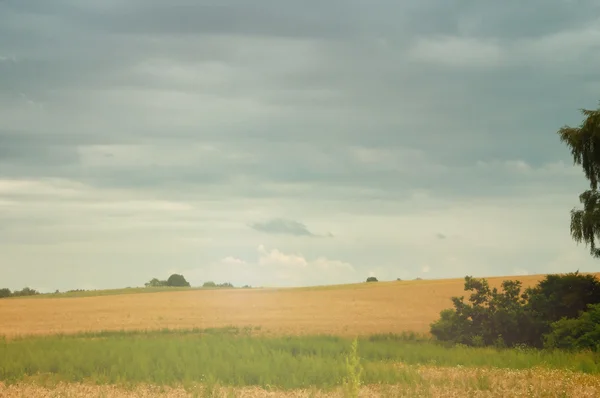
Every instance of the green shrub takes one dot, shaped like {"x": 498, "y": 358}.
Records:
{"x": 582, "y": 333}
{"x": 509, "y": 317}
{"x": 177, "y": 280}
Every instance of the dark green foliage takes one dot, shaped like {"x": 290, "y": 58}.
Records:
{"x": 580, "y": 333}
{"x": 491, "y": 317}
{"x": 177, "y": 280}
{"x": 156, "y": 283}
{"x": 557, "y": 297}
{"x": 508, "y": 317}
{"x": 174, "y": 280}
{"x": 211, "y": 284}
{"x": 372, "y": 279}
{"x": 584, "y": 143}
{"x": 26, "y": 291}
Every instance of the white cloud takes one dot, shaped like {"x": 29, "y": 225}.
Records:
{"x": 273, "y": 267}
{"x": 232, "y": 261}
{"x": 457, "y": 51}
{"x": 425, "y": 269}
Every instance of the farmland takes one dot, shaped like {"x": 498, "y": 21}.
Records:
{"x": 345, "y": 310}
{"x": 268, "y": 342}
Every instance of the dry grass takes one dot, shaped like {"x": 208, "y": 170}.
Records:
{"x": 342, "y": 310}
{"x": 429, "y": 382}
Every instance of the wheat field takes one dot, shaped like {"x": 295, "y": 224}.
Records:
{"x": 344, "y": 310}
{"x": 174, "y": 363}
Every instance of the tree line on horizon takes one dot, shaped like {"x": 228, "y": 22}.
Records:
{"x": 26, "y": 291}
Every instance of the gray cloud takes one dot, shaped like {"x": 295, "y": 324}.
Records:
{"x": 282, "y": 226}
{"x": 440, "y": 235}
{"x": 355, "y": 116}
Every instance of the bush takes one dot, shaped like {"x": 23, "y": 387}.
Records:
{"x": 177, "y": 280}
{"x": 491, "y": 317}
{"x": 541, "y": 316}
{"x": 154, "y": 282}
{"x": 372, "y": 279}
{"x": 225, "y": 285}
{"x": 581, "y": 333}
{"x": 560, "y": 296}
{"x": 26, "y": 291}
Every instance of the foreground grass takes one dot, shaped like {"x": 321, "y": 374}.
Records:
{"x": 232, "y": 358}
{"x": 433, "y": 382}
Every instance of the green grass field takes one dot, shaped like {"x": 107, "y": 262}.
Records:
{"x": 232, "y": 357}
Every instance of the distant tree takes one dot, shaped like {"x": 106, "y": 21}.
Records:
{"x": 372, "y": 279}
{"x": 5, "y": 293}
{"x": 154, "y": 282}
{"x": 177, "y": 280}
{"x": 226, "y": 285}
{"x": 584, "y": 143}
{"x": 26, "y": 291}
{"x": 209, "y": 284}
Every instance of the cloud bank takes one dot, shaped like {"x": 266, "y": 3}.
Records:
{"x": 150, "y": 135}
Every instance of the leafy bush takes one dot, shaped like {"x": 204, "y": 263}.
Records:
{"x": 26, "y": 291}
{"x": 557, "y": 297}
{"x": 509, "y": 317}
{"x": 580, "y": 333}
{"x": 174, "y": 280}
{"x": 177, "y": 280}
{"x": 220, "y": 285}
{"x": 154, "y": 282}
{"x": 372, "y": 279}
{"x": 493, "y": 317}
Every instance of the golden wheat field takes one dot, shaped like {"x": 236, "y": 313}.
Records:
{"x": 344, "y": 310}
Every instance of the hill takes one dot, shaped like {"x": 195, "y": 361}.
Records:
{"x": 346, "y": 310}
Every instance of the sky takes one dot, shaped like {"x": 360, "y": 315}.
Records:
{"x": 276, "y": 143}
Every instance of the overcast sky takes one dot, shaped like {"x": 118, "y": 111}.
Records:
{"x": 279, "y": 143}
